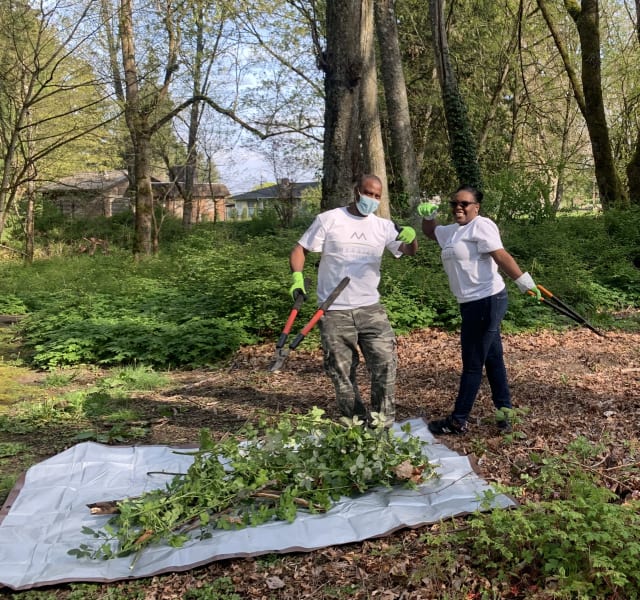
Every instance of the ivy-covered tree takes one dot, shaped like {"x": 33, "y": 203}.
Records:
{"x": 463, "y": 145}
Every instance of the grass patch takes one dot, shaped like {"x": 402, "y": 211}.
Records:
{"x": 137, "y": 378}
{"x": 100, "y": 411}
{"x": 15, "y": 386}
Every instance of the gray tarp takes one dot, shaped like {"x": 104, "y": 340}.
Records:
{"x": 44, "y": 515}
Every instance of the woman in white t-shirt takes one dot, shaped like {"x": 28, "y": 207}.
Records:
{"x": 472, "y": 252}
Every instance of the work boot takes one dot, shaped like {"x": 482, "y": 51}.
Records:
{"x": 448, "y": 425}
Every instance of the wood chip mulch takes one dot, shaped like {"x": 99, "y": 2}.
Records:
{"x": 570, "y": 383}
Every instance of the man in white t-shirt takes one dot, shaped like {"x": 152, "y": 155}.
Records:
{"x": 352, "y": 240}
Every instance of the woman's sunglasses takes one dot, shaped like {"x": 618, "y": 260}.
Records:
{"x": 463, "y": 203}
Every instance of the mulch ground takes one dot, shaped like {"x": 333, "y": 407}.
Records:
{"x": 568, "y": 384}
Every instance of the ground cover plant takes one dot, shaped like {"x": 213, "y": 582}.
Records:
{"x": 222, "y": 287}
{"x": 572, "y": 460}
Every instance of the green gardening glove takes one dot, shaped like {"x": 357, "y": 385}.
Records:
{"x": 427, "y": 210}
{"x": 526, "y": 285}
{"x": 535, "y": 292}
{"x": 407, "y": 234}
{"x": 297, "y": 286}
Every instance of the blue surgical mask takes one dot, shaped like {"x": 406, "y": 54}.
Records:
{"x": 367, "y": 205}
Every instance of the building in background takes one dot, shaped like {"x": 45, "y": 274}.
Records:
{"x": 86, "y": 195}
{"x": 89, "y": 194}
{"x": 285, "y": 197}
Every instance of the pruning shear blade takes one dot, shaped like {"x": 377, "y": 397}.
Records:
{"x": 282, "y": 352}
{"x": 562, "y": 308}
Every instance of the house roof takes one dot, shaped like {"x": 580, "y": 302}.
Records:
{"x": 280, "y": 190}
{"x": 100, "y": 182}
{"x": 200, "y": 190}
{"x": 90, "y": 182}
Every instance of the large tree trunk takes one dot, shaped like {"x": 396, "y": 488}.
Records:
{"x": 589, "y": 97}
{"x": 462, "y": 144}
{"x": 144, "y": 230}
{"x": 586, "y": 18}
{"x": 342, "y": 63}
{"x": 137, "y": 123}
{"x": 370, "y": 130}
{"x": 403, "y": 155}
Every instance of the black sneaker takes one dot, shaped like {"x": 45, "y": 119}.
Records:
{"x": 504, "y": 426}
{"x": 448, "y": 425}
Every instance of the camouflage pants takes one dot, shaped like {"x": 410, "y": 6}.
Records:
{"x": 343, "y": 332}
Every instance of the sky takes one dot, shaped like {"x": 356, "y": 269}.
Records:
{"x": 242, "y": 170}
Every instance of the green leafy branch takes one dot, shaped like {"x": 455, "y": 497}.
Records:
{"x": 269, "y": 472}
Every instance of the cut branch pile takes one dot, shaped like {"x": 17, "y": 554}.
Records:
{"x": 271, "y": 472}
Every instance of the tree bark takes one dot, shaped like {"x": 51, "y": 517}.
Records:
{"x": 587, "y": 20}
{"x": 462, "y": 144}
{"x": 189, "y": 215}
{"x": 633, "y": 166}
{"x": 585, "y": 14}
{"x": 342, "y": 64}
{"x": 370, "y": 129}
{"x": 137, "y": 118}
{"x": 403, "y": 155}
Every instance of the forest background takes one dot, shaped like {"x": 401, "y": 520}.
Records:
{"x": 534, "y": 102}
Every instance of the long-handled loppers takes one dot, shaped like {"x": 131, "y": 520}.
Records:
{"x": 559, "y": 306}
{"x": 281, "y": 351}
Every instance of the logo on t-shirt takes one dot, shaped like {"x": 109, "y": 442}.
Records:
{"x": 358, "y": 236}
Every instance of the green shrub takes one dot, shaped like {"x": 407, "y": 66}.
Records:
{"x": 514, "y": 194}
{"x": 224, "y": 285}
{"x": 577, "y": 538}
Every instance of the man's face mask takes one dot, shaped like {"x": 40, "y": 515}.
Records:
{"x": 367, "y": 205}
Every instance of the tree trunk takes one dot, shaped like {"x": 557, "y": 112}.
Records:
{"x": 29, "y": 219}
{"x": 190, "y": 210}
{"x": 189, "y": 215}
{"x": 29, "y": 225}
{"x": 559, "y": 187}
{"x": 403, "y": 154}
{"x": 137, "y": 123}
{"x": 342, "y": 64}
{"x": 144, "y": 230}
{"x": 462, "y": 144}
{"x": 589, "y": 98}
{"x": 586, "y": 19}
{"x": 370, "y": 130}
{"x": 633, "y": 166}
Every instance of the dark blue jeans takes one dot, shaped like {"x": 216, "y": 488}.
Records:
{"x": 482, "y": 347}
